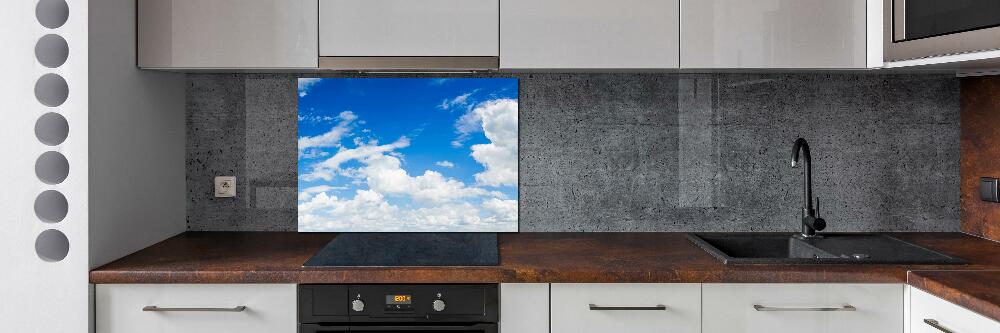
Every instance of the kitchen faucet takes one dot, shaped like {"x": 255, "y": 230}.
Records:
{"x": 810, "y": 221}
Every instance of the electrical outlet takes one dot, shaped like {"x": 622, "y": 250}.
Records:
{"x": 225, "y": 187}
{"x": 988, "y": 189}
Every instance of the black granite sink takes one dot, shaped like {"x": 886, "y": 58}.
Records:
{"x": 845, "y": 248}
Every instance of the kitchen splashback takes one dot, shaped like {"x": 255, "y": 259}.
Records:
{"x": 407, "y": 155}
{"x": 639, "y": 152}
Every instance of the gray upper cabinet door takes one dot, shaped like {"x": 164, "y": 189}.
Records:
{"x": 227, "y": 34}
{"x": 773, "y": 34}
{"x": 409, "y": 28}
{"x": 570, "y": 34}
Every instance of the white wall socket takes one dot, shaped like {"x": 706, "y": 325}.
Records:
{"x": 225, "y": 187}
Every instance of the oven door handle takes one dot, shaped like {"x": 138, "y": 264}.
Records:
{"x": 486, "y": 328}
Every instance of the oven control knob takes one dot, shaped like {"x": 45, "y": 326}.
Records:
{"x": 438, "y": 305}
{"x": 358, "y": 305}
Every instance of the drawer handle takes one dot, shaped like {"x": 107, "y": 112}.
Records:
{"x": 154, "y": 308}
{"x": 759, "y": 307}
{"x": 658, "y": 307}
{"x": 935, "y": 324}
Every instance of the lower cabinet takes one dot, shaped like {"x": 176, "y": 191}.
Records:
{"x": 569, "y": 308}
{"x": 625, "y": 307}
{"x": 524, "y": 307}
{"x": 930, "y": 314}
{"x": 195, "y": 308}
{"x": 816, "y": 308}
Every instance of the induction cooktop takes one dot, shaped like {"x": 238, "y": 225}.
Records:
{"x": 408, "y": 249}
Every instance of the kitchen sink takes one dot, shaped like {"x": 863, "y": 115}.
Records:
{"x": 837, "y": 248}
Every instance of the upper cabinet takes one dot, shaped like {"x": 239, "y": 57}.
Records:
{"x": 187, "y": 34}
{"x": 509, "y": 34}
{"x": 584, "y": 34}
{"x": 775, "y": 34}
{"x": 400, "y": 34}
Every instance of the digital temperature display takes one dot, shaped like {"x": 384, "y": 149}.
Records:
{"x": 398, "y": 299}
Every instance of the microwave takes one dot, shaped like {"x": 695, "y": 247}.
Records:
{"x": 915, "y": 29}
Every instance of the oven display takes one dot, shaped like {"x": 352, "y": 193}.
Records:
{"x": 396, "y": 303}
{"x": 398, "y": 299}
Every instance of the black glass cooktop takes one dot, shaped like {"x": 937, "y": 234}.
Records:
{"x": 408, "y": 249}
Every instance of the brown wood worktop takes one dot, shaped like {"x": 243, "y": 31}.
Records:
{"x": 978, "y": 291}
{"x": 277, "y": 257}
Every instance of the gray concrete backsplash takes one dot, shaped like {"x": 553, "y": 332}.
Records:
{"x": 638, "y": 152}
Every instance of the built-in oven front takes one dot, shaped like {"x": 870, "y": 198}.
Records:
{"x": 915, "y": 29}
{"x": 469, "y": 308}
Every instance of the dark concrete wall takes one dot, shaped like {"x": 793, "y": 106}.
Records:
{"x": 640, "y": 152}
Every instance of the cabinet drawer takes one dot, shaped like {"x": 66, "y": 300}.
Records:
{"x": 946, "y": 315}
{"x": 773, "y": 34}
{"x": 524, "y": 308}
{"x": 269, "y": 308}
{"x": 817, "y": 308}
{"x": 593, "y": 34}
{"x": 405, "y": 28}
{"x": 621, "y": 307}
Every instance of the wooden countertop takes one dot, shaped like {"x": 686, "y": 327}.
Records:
{"x": 978, "y": 291}
{"x": 277, "y": 257}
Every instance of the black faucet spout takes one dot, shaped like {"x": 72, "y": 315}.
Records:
{"x": 810, "y": 222}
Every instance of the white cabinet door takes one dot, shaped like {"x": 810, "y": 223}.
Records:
{"x": 227, "y": 33}
{"x": 269, "y": 308}
{"x": 589, "y": 34}
{"x": 409, "y": 28}
{"x": 625, "y": 307}
{"x": 773, "y": 34}
{"x": 524, "y": 308}
{"x": 927, "y": 310}
{"x": 777, "y": 308}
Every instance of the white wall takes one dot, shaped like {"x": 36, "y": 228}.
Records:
{"x": 137, "y": 187}
{"x": 126, "y": 128}
{"x": 38, "y": 295}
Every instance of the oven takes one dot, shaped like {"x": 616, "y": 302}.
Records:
{"x": 928, "y": 28}
{"x": 467, "y": 308}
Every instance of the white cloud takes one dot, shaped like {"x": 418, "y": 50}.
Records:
{"x": 505, "y": 211}
{"x": 330, "y": 167}
{"x": 385, "y": 175}
{"x": 499, "y": 157}
{"x": 445, "y": 164}
{"x": 307, "y": 193}
{"x": 460, "y": 100}
{"x": 309, "y": 154}
{"x": 439, "y": 81}
{"x": 369, "y": 211}
{"x": 305, "y": 84}
{"x": 383, "y": 172}
{"x": 329, "y": 139}
{"x": 315, "y": 119}
{"x": 456, "y": 101}
{"x": 468, "y": 123}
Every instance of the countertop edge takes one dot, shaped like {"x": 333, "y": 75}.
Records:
{"x": 929, "y": 281}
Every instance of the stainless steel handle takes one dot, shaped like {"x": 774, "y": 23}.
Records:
{"x": 848, "y": 307}
{"x": 658, "y": 307}
{"x": 154, "y": 308}
{"x": 935, "y": 324}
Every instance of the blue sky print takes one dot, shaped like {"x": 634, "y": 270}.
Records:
{"x": 407, "y": 155}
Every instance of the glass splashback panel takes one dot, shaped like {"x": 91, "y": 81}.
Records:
{"x": 408, "y": 155}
